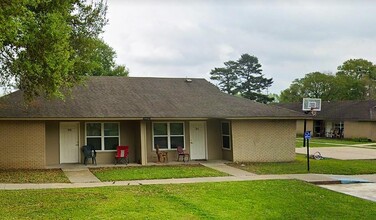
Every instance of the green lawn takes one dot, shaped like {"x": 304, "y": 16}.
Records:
{"x": 273, "y": 199}
{"x": 326, "y": 166}
{"x": 33, "y": 176}
{"x": 154, "y": 172}
{"x": 326, "y": 142}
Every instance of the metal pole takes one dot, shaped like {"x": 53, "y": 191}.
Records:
{"x": 304, "y": 131}
{"x": 308, "y": 155}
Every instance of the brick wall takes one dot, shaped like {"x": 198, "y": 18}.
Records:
{"x": 22, "y": 144}
{"x": 357, "y": 129}
{"x": 263, "y": 140}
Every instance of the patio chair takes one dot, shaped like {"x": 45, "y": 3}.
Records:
{"x": 122, "y": 154}
{"x": 336, "y": 133}
{"x": 89, "y": 152}
{"x": 182, "y": 153}
{"x": 161, "y": 155}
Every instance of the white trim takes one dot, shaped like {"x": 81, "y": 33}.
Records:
{"x": 102, "y": 137}
{"x": 168, "y": 134}
{"x": 227, "y": 135}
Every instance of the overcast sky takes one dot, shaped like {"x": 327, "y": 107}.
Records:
{"x": 165, "y": 38}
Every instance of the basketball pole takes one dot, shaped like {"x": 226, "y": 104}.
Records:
{"x": 315, "y": 105}
{"x": 308, "y": 155}
{"x": 306, "y": 141}
{"x": 304, "y": 131}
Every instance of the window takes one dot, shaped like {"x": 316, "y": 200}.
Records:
{"x": 102, "y": 136}
{"x": 226, "y": 135}
{"x": 168, "y": 135}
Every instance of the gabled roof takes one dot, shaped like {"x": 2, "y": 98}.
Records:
{"x": 139, "y": 97}
{"x": 341, "y": 110}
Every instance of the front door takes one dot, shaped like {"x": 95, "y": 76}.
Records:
{"x": 198, "y": 140}
{"x": 69, "y": 147}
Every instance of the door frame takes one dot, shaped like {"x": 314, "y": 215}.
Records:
{"x": 78, "y": 139}
{"x": 206, "y": 156}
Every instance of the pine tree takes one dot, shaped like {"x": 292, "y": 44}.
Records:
{"x": 252, "y": 81}
{"x": 243, "y": 77}
{"x": 228, "y": 80}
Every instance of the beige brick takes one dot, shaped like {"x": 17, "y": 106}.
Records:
{"x": 263, "y": 140}
{"x": 22, "y": 144}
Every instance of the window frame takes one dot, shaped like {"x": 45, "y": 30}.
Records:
{"x": 226, "y": 135}
{"x": 102, "y": 136}
{"x": 168, "y": 135}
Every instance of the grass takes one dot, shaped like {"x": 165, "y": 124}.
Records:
{"x": 273, "y": 199}
{"x": 33, "y": 176}
{"x": 326, "y": 142}
{"x": 154, "y": 172}
{"x": 325, "y": 166}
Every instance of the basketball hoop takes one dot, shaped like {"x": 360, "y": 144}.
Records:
{"x": 311, "y": 105}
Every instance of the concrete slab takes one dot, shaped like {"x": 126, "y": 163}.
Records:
{"x": 80, "y": 175}
{"x": 227, "y": 169}
{"x": 369, "y": 177}
{"x": 360, "y": 190}
{"x": 342, "y": 153}
{"x": 313, "y": 178}
{"x": 365, "y": 177}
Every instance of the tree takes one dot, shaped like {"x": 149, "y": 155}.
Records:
{"x": 357, "y": 68}
{"x": 103, "y": 61}
{"x": 227, "y": 77}
{"x": 243, "y": 77}
{"x": 275, "y": 97}
{"x": 49, "y": 46}
{"x": 252, "y": 81}
{"x": 328, "y": 87}
{"x": 348, "y": 88}
{"x": 313, "y": 85}
{"x": 292, "y": 94}
{"x": 363, "y": 70}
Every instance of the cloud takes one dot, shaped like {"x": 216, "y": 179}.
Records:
{"x": 290, "y": 38}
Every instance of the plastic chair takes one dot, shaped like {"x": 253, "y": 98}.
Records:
{"x": 181, "y": 153}
{"x": 89, "y": 152}
{"x": 122, "y": 154}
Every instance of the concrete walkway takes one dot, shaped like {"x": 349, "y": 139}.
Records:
{"x": 360, "y": 190}
{"x": 227, "y": 169}
{"x": 81, "y": 177}
{"x": 341, "y": 153}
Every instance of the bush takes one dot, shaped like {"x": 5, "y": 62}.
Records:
{"x": 361, "y": 139}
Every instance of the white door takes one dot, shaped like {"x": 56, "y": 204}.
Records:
{"x": 69, "y": 147}
{"x": 198, "y": 140}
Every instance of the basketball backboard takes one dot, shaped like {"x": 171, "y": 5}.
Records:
{"x": 311, "y": 104}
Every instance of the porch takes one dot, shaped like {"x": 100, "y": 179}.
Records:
{"x": 202, "y": 140}
{"x": 51, "y": 143}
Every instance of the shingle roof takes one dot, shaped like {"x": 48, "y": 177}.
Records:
{"x": 341, "y": 110}
{"x": 139, "y": 97}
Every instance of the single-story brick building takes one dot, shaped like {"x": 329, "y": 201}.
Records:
{"x": 340, "y": 119}
{"x": 141, "y": 113}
